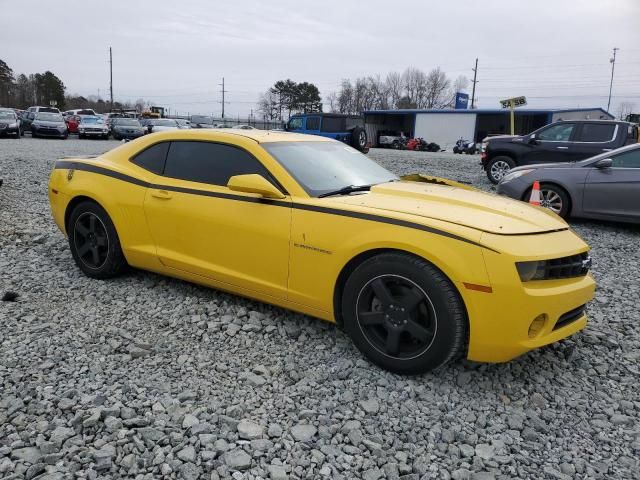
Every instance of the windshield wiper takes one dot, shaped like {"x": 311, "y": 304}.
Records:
{"x": 346, "y": 190}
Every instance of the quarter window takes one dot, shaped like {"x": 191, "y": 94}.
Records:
{"x": 597, "y": 132}
{"x": 212, "y": 163}
{"x": 313, "y": 123}
{"x": 627, "y": 160}
{"x": 557, "y": 133}
{"x": 334, "y": 124}
{"x": 152, "y": 158}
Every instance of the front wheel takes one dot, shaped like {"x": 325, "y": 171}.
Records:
{"x": 498, "y": 167}
{"x": 94, "y": 242}
{"x": 552, "y": 197}
{"x": 404, "y": 314}
{"x": 359, "y": 138}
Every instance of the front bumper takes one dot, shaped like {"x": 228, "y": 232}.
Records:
{"x": 93, "y": 133}
{"x": 9, "y": 131}
{"x": 500, "y": 321}
{"x": 125, "y": 134}
{"x": 49, "y": 132}
{"x": 515, "y": 188}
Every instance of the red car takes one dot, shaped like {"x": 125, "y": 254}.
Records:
{"x": 72, "y": 122}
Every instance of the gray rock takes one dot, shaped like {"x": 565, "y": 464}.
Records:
{"x": 275, "y": 430}
{"x": 277, "y": 472}
{"x": 187, "y": 454}
{"x": 190, "y": 421}
{"x": 237, "y": 459}
{"x": 370, "y": 406}
{"x": 249, "y": 430}
{"x": 303, "y": 432}
{"x": 189, "y": 471}
{"x": 27, "y": 454}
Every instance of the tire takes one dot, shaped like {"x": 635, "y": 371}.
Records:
{"x": 80, "y": 136}
{"x": 66, "y": 135}
{"x": 94, "y": 242}
{"x": 421, "y": 325}
{"x": 498, "y": 167}
{"x": 456, "y": 150}
{"x": 359, "y": 138}
{"x": 553, "y": 197}
{"x": 18, "y": 134}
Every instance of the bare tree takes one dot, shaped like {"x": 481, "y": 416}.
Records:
{"x": 394, "y": 88}
{"x": 415, "y": 86}
{"x": 268, "y": 105}
{"x": 438, "y": 92}
{"x": 625, "y": 108}
{"x": 461, "y": 84}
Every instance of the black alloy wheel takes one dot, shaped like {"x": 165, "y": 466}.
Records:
{"x": 403, "y": 313}
{"x": 91, "y": 240}
{"x": 396, "y": 316}
{"x": 94, "y": 242}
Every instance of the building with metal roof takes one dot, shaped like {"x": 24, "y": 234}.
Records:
{"x": 445, "y": 127}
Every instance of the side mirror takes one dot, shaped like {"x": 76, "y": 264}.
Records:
{"x": 532, "y": 138}
{"x": 286, "y": 127}
{"x": 604, "y": 163}
{"x": 254, "y": 183}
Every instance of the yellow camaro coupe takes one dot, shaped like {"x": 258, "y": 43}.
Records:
{"x": 417, "y": 273}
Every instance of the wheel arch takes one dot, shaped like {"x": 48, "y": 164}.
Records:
{"x": 73, "y": 203}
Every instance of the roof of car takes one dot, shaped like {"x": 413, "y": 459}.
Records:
{"x": 260, "y": 136}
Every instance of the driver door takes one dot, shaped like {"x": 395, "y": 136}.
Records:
{"x": 202, "y": 227}
{"x": 551, "y": 144}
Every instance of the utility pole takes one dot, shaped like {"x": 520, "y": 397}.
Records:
{"x": 223, "y": 92}
{"x": 111, "y": 76}
{"x": 613, "y": 66}
{"x": 473, "y": 92}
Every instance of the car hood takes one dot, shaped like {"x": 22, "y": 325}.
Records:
{"x": 471, "y": 208}
{"x": 48, "y": 124}
{"x": 503, "y": 138}
{"x": 545, "y": 165}
{"x": 159, "y": 128}
{"x": 127, "y": 127}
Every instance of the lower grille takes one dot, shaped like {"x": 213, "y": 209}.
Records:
{"x": 570, "y": 317}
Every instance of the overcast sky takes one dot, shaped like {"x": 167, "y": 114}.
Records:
{"x": 175, "y": 53}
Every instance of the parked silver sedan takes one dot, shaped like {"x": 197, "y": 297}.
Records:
{"x": 604, "y": 187}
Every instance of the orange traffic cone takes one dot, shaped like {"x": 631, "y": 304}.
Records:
{"x": 535, "y": 194}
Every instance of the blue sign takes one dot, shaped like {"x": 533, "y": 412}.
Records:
{"x": 462, "y": 101}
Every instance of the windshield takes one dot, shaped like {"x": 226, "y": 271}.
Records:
{"x": 49, "y": 117}
{"x": 127, "y": 122}
{"x": 322, "y": 167}
{"x": 7, "y": 115}
{"x": 91, "y": 120}
{"x": 164, "y": 123}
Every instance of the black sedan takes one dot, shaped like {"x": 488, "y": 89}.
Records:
{"x": 49, "y": 125}
{"x": 604, "y": 187}
{"x": 128, "y": 128}
{"x": 9, "y": 123}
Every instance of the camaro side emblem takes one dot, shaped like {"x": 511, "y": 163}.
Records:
{"x": 586, "y": 263}
{"x": 70, "y": 174}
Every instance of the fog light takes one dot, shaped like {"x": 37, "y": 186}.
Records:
{"x": 536, "y": 326}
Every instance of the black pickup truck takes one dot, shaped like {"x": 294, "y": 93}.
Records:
{"x": 565, "y": 141}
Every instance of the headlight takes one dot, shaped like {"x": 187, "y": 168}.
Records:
{"x": 531, "y": 270}
{"x": 513, "y": 175}
{"x": 13, "y": 125}
{"x": 62, "y": 127}
{"x": 81, "y": 130}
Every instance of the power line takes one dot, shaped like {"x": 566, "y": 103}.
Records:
{"x": 111, "y": 76}
{"x": 223, "y": 92}
{"x": 473, "y": 92}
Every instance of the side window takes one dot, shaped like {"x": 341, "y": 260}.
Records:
{"x": 295, "y": 123}
{"x": 627, "y": 160}
{"x": 632, "y": 134}
{"x": 597, "y": 132}
{"x": 313, "y": 123}
{"x": 153, "y": 158}
{"x": 211, "y": 163}
{"x": 334, "y": 124}
{"x": 557, "y": 133}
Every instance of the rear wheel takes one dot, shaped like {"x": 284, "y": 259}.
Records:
{"x": 94, "y": 242}
{"x": 403, "y": 314}
{"x": 498, "y": 167}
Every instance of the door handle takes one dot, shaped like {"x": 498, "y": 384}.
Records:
{"x": 562, "y": 148}
{"x": 606, "y": 149}
{"x": 161, "y": 194}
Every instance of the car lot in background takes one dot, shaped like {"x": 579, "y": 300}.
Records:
{"x": 80, "y": 111}
{"x": 201, "y": 121}
{"x": 564, "y": 141}
{"x": 159, "y": 124}
{"x": 129, "y": 128}
{"x": 182, "y": 123}
{"x": 604, "y": 187}
{"x": 46, "y": 124}
{"x": 9, "y": 123}
{"x": 92, "y": 127}
{"x": 38, "y": 109}
{"x": 72, "y": 122}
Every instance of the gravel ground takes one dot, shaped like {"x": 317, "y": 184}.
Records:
{"x": 147, "y": 377}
